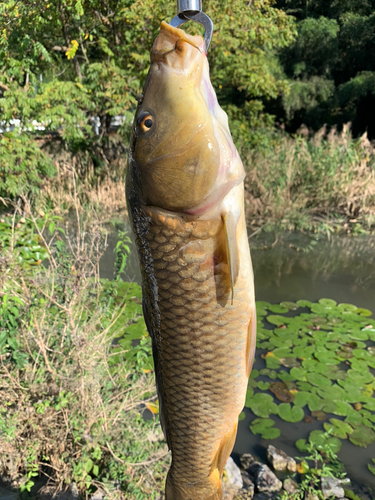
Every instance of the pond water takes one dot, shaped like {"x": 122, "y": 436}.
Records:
{"x": 290, "y": 269}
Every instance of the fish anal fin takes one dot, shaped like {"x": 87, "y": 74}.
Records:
{"x": 230, "y": 221}
{"x": 224, "y": 450}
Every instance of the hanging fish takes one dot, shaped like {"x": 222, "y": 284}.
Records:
{"x": 185, "y": 197}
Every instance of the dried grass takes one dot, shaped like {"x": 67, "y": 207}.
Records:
{"x": 323, "y": 175}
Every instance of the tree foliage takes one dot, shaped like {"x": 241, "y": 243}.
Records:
{"x": 331, "y": 65}
{"x": 64, "y": 62}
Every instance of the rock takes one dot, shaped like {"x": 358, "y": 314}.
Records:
{"x": 265, "y": 479}
{"x": 280, "y": 460}
{"x": 331, "y": 487}
{"x": 248, "y": 486}
{"x": 70, "y": 493}
{"x": 233, "y": 474}
{"x": 265, "y": 496}
{"x": 246, "y": 460}
{"x": 311, "y": 496}
{"x": 98, "y": 495}
{"x": 290, "y": 486}
{"x": 232, "y": 480}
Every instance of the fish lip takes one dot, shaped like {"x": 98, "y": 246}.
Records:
{"x": 173, "y": 41}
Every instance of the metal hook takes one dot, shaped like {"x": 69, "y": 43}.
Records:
{"x": 192, "y": 10}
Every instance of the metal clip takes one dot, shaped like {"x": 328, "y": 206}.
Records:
{"x": 191, "y": 10}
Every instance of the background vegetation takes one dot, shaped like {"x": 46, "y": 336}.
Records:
{"x": 75, "y": 359}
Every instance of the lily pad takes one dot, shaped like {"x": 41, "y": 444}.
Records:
{"x": 262, "y": 304}
{"x": 298, "y": 374}
{"x": 249, "y": 395}
{"x": 320, "y": 439}
{"x": 342, "y": 408}
{"x": 362, "y": 436}
{"x": 318, "y": 380}
{"x": 319, "y": 415}
{"x": 272, "y": 374}
{"x": 264, "y": 427}
{"x": 263, "y": 386}
{"x": 304, "y": 303}
{"x": 315, "y": 403}
{"x": 281, "y": 392}
{"x": 289, "y": 362}
{"x": 292, "y": 306}
{"x": 290, "y": 413}
{"x": 262, "y": 405}
{"x": 327, "y": 302}
{"x": 371, "y": 468}
{"x": 278, "y": 309}
{"x": 281, "y": 352}
{"x": 364, "y": 312}
{"x": 301, "y": 398}
{"x": 278, "y": 320}
{"x": 272, "y": 362}
{"x": 338, "y": 428}
{"x": 347, "y": 307}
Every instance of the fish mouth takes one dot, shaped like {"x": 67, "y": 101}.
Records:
{"x": 177, "y": 44}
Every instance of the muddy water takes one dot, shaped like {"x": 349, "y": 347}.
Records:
{"x": 293, "y": 268}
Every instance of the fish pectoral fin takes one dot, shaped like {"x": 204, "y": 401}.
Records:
{"x": 230, "y": 221}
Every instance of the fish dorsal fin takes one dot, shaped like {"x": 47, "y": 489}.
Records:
{"x": 230, "y": 220}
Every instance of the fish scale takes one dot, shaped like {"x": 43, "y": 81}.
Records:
{"x": 201, "y": 339}
{"x": 185, "y": 196}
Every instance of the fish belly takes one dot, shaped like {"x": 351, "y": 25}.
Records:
{"x": 203, "y": 343}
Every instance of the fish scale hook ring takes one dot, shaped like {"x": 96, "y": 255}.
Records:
{"x": 191, "y": 10}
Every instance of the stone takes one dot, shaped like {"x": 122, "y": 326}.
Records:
{"x": 265, "y": 479}
{"x": 331, "y": 487}
{"x": 246, "y": 460}
{"x": 311, "y": 496}
{"x": 280, "y": 460}
{"x": 98, "y": 495}
{"x": 248, "y": 486}
{"x": 265, "y": 496}
{"x": 232, "y": 480}
{"x": 70, "y": 493}
{"x": 290, "y": 486}
{"x": 233, "y": 474}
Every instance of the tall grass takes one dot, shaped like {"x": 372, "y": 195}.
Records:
{"x": 71, "y": 401}
{"x": 325, "y": 175}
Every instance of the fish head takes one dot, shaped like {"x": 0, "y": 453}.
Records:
{"x": 181, "y": 144}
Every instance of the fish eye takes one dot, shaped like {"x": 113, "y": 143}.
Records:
{"x": 145, "y": 122}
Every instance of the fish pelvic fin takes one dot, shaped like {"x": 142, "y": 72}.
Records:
{"x": 230, "y": 221}
{"x": 251, "y": 341}
{"x": 210, "y": 490}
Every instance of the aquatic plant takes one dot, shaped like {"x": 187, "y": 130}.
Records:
{"x": 318, "y": 361}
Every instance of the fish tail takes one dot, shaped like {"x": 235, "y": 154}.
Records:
{"x": 211, "y": 490}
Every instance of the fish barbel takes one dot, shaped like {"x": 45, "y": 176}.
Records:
{"x": 186, "y": 204}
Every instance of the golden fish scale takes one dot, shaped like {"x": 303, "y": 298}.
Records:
{"x": 202, "y": 340}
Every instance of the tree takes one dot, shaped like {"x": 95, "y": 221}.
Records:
{"x": 331, "y": 65}
{"x": 64, "y": 62}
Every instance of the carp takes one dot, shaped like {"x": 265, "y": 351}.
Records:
{"x": 185, "y": 197}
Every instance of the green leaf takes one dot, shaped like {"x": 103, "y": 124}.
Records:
{"x": 290, "y": 413}
{"x": 262, "y": 405}
{"x": 362, "y": 436}
{"x": 338, "y": 428}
